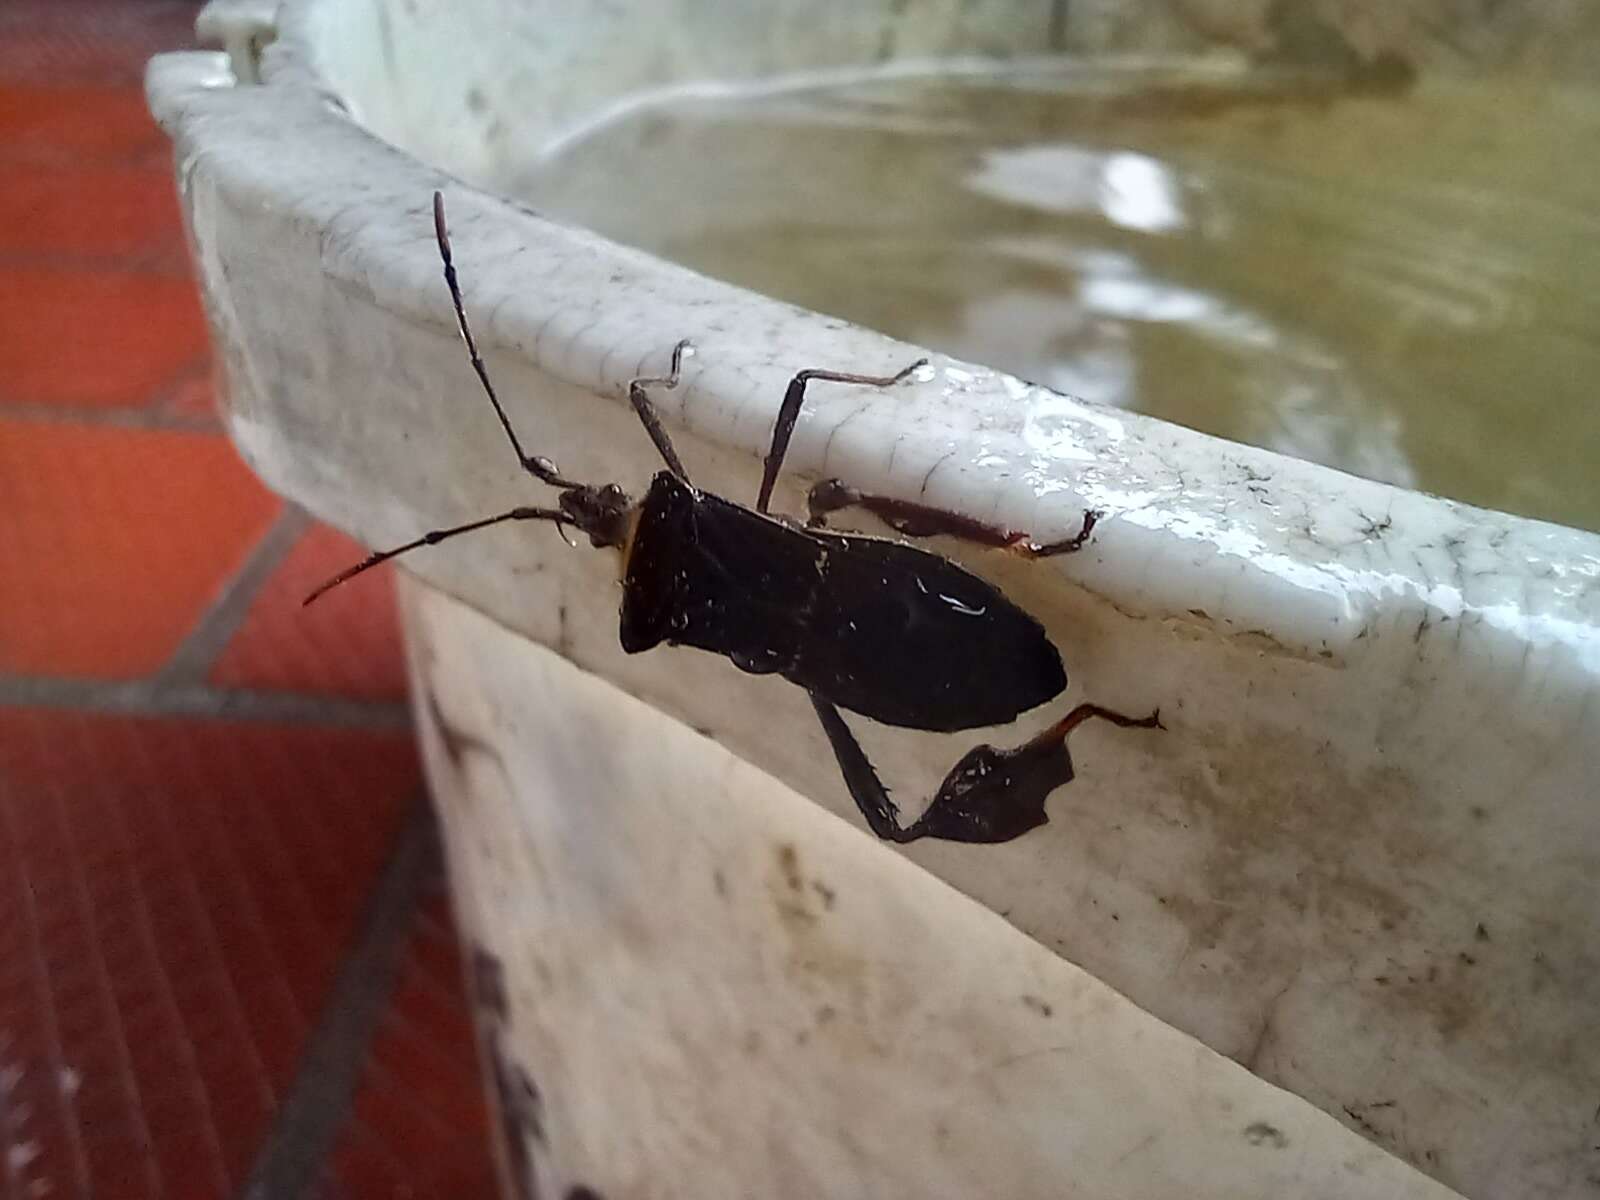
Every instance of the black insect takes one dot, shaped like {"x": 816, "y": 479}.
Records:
{"x": 868, "y": 624}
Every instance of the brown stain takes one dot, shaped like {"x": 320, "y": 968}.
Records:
{"x": 793, "y": 899}
{"x": 1327, "y": 854}
{"x": 1261, "y": 1133}
{"x": 1446, "y": 995}
{"x": 788, "y": 891}
{"x": 789, "y": 865}
{"x": 816, "y": 957}
{"x": 1286, "y": 880}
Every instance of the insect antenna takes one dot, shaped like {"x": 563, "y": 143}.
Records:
{"x": 535, "y": 464}
{"x": 433, "y": 537}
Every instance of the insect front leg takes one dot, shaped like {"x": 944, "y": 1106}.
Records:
{"x": 991, "y": 795}
{"x": 789, "y": 412}
{"x": 924, "y": 520}
{"x": 640, "y": 399}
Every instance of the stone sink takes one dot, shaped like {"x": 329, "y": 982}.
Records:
{"x": 1332, "y": 933}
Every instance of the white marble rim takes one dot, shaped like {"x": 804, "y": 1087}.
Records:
{"x": 1298, "y": 559}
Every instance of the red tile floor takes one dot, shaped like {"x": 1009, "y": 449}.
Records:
{"x": 227, "y": 964}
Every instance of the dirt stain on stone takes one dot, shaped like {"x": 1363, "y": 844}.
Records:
{"x": 1328, "y": 857}
{"x": 1260, "y": 1133}
{"x": 789, "y": 864}
{"x": 800, "y": 908}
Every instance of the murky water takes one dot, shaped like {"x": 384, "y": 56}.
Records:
{"x": 1402, "y": 282}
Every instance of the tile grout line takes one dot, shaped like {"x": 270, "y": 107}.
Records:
{"x": 203, "y": 644}
{"x": 28, "y": 904}
{"x": 164, "y": 399}
{"x": 88, "y": 905}
{"x": 114, "y": 417}
{"x": 148, "y": 698}
{"x": 169, "y": 264}
{"x": 289, "y": 1162}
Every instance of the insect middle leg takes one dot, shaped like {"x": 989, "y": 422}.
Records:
{"x": 991, "y": 795}
{"x": 923, "y": 520}
{"x": 789, "y": 412}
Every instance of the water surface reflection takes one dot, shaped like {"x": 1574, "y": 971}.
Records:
{"x": 1400, "y": 285}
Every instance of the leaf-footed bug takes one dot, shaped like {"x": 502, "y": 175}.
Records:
{"x": 868, "y": 624}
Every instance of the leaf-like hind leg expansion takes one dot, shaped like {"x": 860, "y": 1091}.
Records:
{"x": 789, "y": 413}
{"x": 991, "y": 795}
{"x": 924, "y": 520}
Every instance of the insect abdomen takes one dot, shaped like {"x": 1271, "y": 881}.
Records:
{"x": 908, "y": 638}
{"x": 878, "y": 627}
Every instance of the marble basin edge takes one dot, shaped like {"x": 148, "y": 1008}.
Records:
{"x": 1363, "y": 859}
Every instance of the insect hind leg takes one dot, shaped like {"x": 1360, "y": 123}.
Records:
{"x": 991, "y": 795}
{"x": 866, "y": 789}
